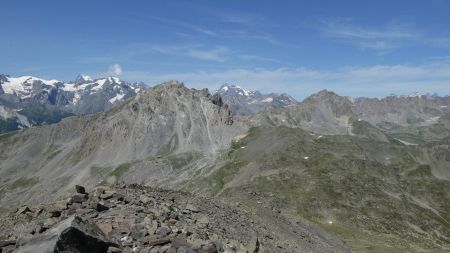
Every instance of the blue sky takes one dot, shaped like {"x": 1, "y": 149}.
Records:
{"x": 356, "y": 48}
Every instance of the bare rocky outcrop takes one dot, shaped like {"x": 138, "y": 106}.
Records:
{"x": 143, "y": 219}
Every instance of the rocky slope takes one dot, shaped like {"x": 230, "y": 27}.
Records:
{"x": 244, "y": 102}
{"x": 36, "y": 101}
{"x": 143, "y": 219}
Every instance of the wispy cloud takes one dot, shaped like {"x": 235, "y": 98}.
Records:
{"x": 440, "y": 59}
{"x": 248, "y": 57}
{"x": 95, "y": 59}
{"x": 345, "y": 28}
{"x": 217, "y": 53}
{"x": 440, "y": 42}
{"x": 196, "y": 28}
{"x": 241, "y": 18}
{"x": 214, "y": 54}
{"x": 385, "y": 38}
{"x": 372, "y": 81}
{"x": 252, "y": 35}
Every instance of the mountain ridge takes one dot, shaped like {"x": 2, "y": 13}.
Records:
{"x": 57, "y": 99}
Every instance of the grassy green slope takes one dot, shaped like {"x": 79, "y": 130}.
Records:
{"x": 376, "y": 196}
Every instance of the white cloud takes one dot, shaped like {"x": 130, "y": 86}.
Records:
{"x": 114, "y": 70}
{"x": 373, "y": 81}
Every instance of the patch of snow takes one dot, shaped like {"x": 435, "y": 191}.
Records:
{"x": 86, "y": 77}
{"x": 100, "y": 84}
{"x": 406, "y": 143}
{"x": 306, "y": 157}
{"x": 225, "y": 88}
{"x": 22, "y": 86}
{"x": 114, "y": 80}
{"x": 330, "y": 222}
{"x": 70, "y": 87}
{"x": 118, "y": 97}
{"x": 443, "y": 106}
{"x": 359, "y": 119}
{"x": 267, "y": 100}
{"x": 76, "y": 98}
{"x": 433, "y": 119}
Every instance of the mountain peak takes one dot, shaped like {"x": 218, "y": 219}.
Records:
{"x": 247, "y": 102}
{"x": 83, "y": 79}
{"x": 234, "y": 90}
{"x": 325, "y": 93}
{"x": 170, "y": 84}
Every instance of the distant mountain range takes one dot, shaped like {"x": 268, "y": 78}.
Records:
{"x": 409, "y": 117}
{"x": 245, "y": 102}
{"x": 26, "y": 101}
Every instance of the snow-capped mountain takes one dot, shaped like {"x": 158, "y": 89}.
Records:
{"x": 245, "y": 102}
{"x": 72, "y": 95}
{"x": 56, "y": 99}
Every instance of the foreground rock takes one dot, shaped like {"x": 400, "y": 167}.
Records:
{"x": 148, "y": 220}
{"x": 127, "y": 219}
{"x": 70, "y": 235}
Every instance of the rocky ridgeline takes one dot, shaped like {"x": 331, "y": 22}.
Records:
{"x": 128, "y": 219}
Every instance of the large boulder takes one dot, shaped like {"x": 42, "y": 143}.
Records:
{"x": 70, "y": 235}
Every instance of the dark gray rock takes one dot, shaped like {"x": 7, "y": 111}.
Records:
{"x": 7, "y": 243}
{"x": 159, "y": 241}
{"x": 98, "y": 207}
{"x": 80, "y": 189}
{"x": 70, "y": 235}
{"x": 78, "y": 198}
{"x": 163, "y": 231}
